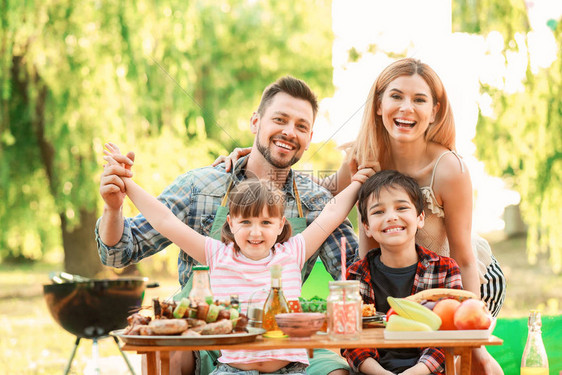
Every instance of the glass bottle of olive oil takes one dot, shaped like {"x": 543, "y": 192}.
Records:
{"x": 275, "y": 302}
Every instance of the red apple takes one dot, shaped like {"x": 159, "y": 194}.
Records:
{"x": 446, "y": 309}
{"x": 472, "y": 314}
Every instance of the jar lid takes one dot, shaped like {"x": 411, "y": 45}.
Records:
{"x": 200, "y": 268}
{"x": 344, "y": 284}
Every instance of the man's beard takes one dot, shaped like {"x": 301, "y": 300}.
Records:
{"x": 266, "y": 152}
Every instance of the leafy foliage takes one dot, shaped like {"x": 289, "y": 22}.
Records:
{"x": 176, "y": 81}
{"x": 482, "y": 16}
{"x": 521, "y": 142}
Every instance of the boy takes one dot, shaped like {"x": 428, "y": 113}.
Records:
{"x": 391, "y": 209}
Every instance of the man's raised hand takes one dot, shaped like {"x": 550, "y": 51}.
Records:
{"x": 112, "y": 187}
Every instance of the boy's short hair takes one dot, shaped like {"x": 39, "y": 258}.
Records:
{"x": 291, "y": 86}
{"x": 389, "y": 179}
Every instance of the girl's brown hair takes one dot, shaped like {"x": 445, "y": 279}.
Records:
{"x": 248, "y": 199}
{"x": 373, "y": 142}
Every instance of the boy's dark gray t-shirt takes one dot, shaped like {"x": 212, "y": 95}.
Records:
{"x": 387, "y": 281}
{"x": 395, "y": 282}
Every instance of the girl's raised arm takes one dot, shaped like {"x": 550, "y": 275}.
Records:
{"x": 162, "y": 219}
{"x": 334, "y": 213}
{"x": 336, "y": 182}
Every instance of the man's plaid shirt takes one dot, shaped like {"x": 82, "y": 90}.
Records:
{"x": 194, "y": 198}
{"x": 433, "y": 271}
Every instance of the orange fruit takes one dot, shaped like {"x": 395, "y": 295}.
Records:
{"x": 446, "y": 310}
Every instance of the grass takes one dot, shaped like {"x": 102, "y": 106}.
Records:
{"x": 529, "y": 287}
{"x": 33, "y": 343}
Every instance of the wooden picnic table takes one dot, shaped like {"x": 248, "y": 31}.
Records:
{"x": 369, "y": 338}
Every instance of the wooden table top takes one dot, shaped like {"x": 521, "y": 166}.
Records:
{"x": 369, "y": 338}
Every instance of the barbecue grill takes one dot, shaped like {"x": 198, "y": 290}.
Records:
{"x": 91, "y": 308}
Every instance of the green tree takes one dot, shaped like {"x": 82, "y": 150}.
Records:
{"x": 174, "y": 80}
{"x": 521, "y": 142}
{"x": 482, "y": 16}
{"x": 527, "y": 134}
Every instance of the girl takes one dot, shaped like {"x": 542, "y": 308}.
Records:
{"x": 255, "y": 237}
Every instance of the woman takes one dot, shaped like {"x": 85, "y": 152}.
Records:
{"x": 408, "y": 125}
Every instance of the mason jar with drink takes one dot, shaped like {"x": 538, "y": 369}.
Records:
{"x": 344, "y": 310}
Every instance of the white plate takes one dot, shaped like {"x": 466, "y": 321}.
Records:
{"x": 437, "y": 335}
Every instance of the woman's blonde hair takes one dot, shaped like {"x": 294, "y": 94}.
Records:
{"x": 248, "y": 199}
{"x": 373, "y": 142}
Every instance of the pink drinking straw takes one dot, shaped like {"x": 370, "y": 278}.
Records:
{"x": 343, "y": 277}
{"x": 343, "y": 260}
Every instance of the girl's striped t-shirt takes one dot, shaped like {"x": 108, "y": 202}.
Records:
{"x": 233, "y": 273}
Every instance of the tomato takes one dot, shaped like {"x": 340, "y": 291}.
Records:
{"x": 390, "y": 312}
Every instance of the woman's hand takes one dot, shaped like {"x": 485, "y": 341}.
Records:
{"x": 231, "y": 159}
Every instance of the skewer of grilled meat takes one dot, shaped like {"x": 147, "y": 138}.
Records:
{"x": 135, "y": 321}
{"x": 164, "y": 323}
{"x": 163, "y": 309}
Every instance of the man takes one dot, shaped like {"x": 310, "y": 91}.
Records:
{"x": 282, "y": 126}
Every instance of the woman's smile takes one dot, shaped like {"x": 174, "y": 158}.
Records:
{"x": 403, "y": 123}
